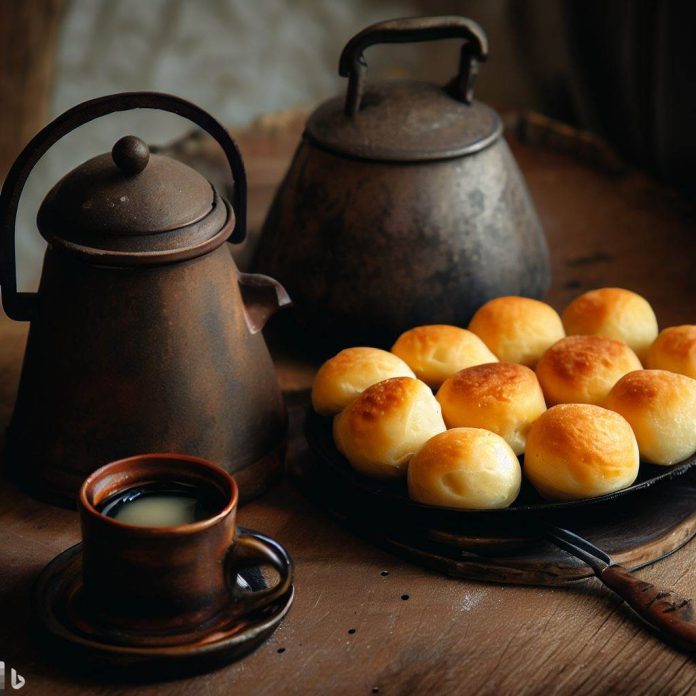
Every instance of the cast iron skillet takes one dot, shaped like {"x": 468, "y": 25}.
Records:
{"x": 672, "y": 617}
{"x": 528, "y": 504}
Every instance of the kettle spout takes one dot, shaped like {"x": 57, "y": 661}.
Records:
{"x": 262, "y": 297}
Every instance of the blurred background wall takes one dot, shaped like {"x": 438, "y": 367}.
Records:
{"x": 241, "y": 58}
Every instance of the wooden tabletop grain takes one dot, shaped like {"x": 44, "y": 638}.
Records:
{"x": 363, "y": 621}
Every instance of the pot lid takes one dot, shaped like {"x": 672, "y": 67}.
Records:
{"x": 408, "y": 121}
{"x": 404, "y": 121}
{"x": 130, "y": 204}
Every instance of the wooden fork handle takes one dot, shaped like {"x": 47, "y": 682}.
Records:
{"x": 672, "y": 616}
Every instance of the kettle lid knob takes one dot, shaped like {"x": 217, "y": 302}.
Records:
{"x": 130, "y": 155}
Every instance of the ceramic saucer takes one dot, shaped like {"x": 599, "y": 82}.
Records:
{"x": 61, "y": 579}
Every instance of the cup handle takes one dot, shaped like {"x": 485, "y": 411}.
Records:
{"x": 252, "y": 549}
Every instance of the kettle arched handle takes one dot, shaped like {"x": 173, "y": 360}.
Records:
{"x": 21, "y": 305}
{"x": 411, "y": 29}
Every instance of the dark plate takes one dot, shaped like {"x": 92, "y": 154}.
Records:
{"x": 321, "y": 445}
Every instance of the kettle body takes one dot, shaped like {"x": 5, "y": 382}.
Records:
{"x": 165, "y": 362}
{"x": 142, "y": 339}
{"x": 403, "y": 205}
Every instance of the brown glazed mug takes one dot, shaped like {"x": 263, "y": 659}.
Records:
{"x": 155, "y": 584}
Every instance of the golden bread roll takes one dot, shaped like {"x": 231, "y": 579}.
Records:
{"x": 661, "y": 408}
{"x": 466, "y": 468}
{"x": 674, "y": 350}
{"x": 437, "y": 351}
{"x": 614, "y": 313}
{"x": 502, "y": 397}
{"x": 580, "y": 451}
{"x": 582, "y": 369}
{"x": 517, "y": 329}
{"x": 386, "y": 425}
{"x": 345, "y": 376}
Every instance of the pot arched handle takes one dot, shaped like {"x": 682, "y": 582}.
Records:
{"x": 21, "y": 305}
{"x": 352, "y": 63}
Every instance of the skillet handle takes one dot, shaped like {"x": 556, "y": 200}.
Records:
{"x": 671, "y": 615}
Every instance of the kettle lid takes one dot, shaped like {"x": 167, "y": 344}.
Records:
{"x": 133, "y": 206}
{"x": 404, "y": 121}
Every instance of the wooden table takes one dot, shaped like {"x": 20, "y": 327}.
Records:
{"x": 352, "y": 630}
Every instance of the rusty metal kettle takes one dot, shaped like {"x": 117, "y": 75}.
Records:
{"x": 403, "y": 204}
{"x": 144, "y": 335}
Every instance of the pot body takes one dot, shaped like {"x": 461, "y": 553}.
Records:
{"x": 369, "y": 249}
{"x": 122, "y": 361}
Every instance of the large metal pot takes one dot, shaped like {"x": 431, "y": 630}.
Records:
{"x": 403, "y": 205}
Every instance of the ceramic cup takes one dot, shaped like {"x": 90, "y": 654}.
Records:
{"x": 170, "y": 580}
